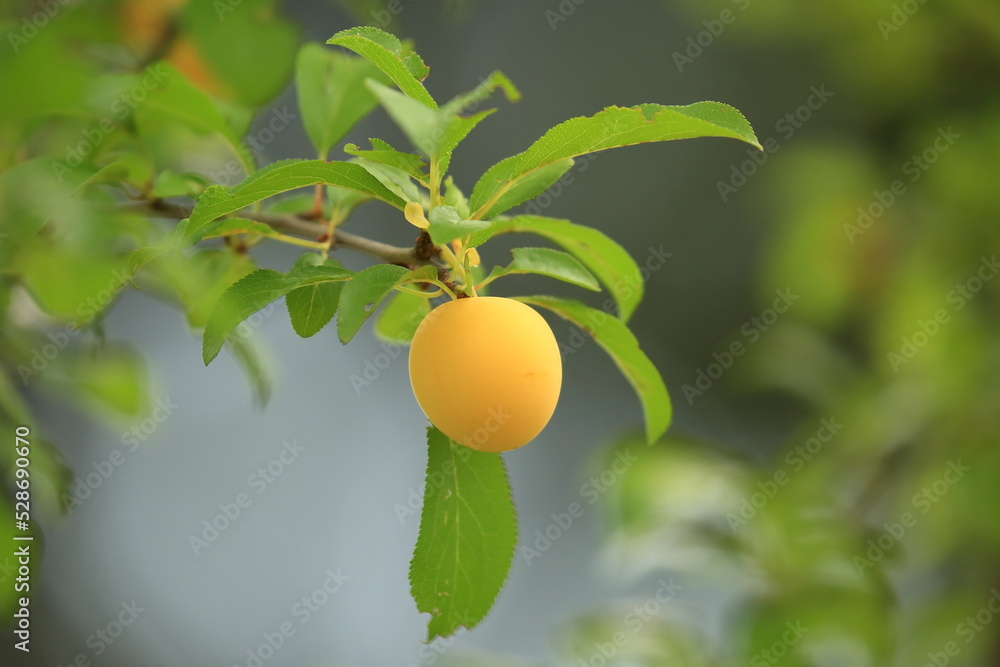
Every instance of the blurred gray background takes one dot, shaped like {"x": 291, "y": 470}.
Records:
{"x": 336, "y": 506}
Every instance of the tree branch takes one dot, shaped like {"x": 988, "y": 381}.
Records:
{"x": 299, "y": 226}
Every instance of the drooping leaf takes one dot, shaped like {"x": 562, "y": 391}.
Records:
{"x": 31, "y": 193}
{"x": 401, "y": 317}
{"x": 610, "y": 128}
{"x": 616, "y": 339}
{"x": 280, "y": 177}
{"x": 387, "y": 155}
{"x": 332, "y": 93}
{"x": 366, "y": 291}
{"x": 447, "y": 225}
{"x": 551, "y": 263}
{"x": 386, "y": 52}
{"x": 252, "y": 360}
{"x": 607, "y": 260}
{"x": 468, "y": 532}
{"x": 255, "y": 291}
{"x": 496, "y": 79}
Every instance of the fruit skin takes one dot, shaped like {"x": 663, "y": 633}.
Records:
{"x": 486, "y": 371}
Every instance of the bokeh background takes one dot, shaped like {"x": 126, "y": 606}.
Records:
{"x": 828, "y": 496}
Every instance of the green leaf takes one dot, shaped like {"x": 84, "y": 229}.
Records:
{"x": 338, "y": 205}
{"x": 387, "y": 155}
{"x": 551, "y": 263}
{"x": 230, "y": 226}
{"x": 401, "y": 317}
{"x": 453, "y": 196}
{"x": 454, "y": 130}
{"x": 616, "y": 339}
{"x": 395, "y": 180}
{"x": 171, "y": 184}
{"x": 312, "y": 307}
{"x": 332, "y": 93}
{"x": 199, "y": 279}
{"x": 421, "y": 124}
{"x": 112, "y": 377}
{"x": 256, "y": 290}
{"x": 468, "y": 532}
{"x": 610, "y": 128}
{"x": 31, "y": 193}
{"x": 607, "y": 260}
{"x": 174, "y": 100}
{"x": 532, "y": 184}
{"x": 387, "y": 53}
{"x": 248, "y": 47}
{"x": 280, "y": 177}
{"x": 367, "y": 290}
{"x": 69, "y": 282}
{"x": 434, "y": 132}
{"x": 447, "y": 225}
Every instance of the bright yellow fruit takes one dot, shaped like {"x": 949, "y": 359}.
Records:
{"x": 486, "y": 371}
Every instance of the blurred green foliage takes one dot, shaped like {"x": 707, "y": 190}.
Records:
{"x": 112, "y": 93}
{"x": 873, "y": 524}
{"x": 879, "y": 534}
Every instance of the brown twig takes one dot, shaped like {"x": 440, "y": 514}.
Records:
{"x": 297, "y": 225}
